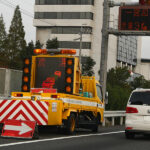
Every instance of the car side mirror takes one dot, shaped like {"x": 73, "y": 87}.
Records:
{"x": 106, "y": 98}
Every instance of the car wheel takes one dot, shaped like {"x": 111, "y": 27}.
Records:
{"x": 129, "y": 135}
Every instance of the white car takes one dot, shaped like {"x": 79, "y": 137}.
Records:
{"x": 138, "y": 113}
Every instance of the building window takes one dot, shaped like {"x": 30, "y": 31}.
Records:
{"x": 64, "y": 2}
{"x": 71, "y": 30}
{"x": 127, "y": 50}
{"x": 75, "y": 45}
{"x": 63, "y": 15}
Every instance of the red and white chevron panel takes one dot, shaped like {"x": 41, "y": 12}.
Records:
{"x": 24, "y": 110}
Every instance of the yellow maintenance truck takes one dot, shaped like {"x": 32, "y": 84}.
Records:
{"x": 54, "y": 93}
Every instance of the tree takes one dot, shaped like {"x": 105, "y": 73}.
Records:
{"x": 118, "y": 88}
{"x": 140, "y": 82}
{"x": 3, "y": 37}
{"x": 52, "y": 44}
{"x": 87, "y": 67}
{"x": 16, "y": 40}
{"x": 38, "y": 44}
{"x": 118, "y": 76}
{"x": 118, "y": 97}
{"x": 28, "y": 52}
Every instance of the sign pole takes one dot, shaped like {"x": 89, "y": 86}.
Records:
{"x": 104, "y": 46}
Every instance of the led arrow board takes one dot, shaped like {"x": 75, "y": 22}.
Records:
{"x": 136, "y": 18}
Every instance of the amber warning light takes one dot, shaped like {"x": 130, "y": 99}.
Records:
{"x": 54, "y": 51}
{"x": 40, "y": 51}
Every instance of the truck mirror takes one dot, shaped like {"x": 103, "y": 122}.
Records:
{"x": 106, "y": 98}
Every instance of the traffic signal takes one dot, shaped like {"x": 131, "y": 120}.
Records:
{"x": 69, "y": 75}
{"x": 26, "y": 75}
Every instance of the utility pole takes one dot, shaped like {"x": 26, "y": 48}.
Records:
{"x": 80, "y": 54}
{"x": 80, "y": 38}
{"x": 104, "y": 45}
{"x": 105, "y": 36}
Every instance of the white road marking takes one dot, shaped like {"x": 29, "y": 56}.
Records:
{"x": 59, "y": 138}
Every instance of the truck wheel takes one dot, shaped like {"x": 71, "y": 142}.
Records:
{"x": 95, "y": 128}
{"x": 70, "y": 124}
{"x": 96, "y": 125}
{"x": 129, "y": 135}
{"x": 36, "y": 133}
{"x": 1, "y": 127}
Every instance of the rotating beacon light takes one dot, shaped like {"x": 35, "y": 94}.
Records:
{"x": 54, "y": 51}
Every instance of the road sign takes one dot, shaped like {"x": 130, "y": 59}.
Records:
{"x": 18, "y": 129}
{"x": 135, "y": 18}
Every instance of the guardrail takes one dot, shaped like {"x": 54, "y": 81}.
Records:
{"x": 113, "y": 115}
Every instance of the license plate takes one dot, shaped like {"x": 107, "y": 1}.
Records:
{"x": 146, "y": 118}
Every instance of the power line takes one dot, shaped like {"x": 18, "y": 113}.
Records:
{"x": 25, "y": 12}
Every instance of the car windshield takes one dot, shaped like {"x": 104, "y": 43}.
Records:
{"x": 140, "y": 98}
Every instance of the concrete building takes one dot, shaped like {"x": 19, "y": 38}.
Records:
{"x": 144, "y": 68}
{"x": 63, "y": 19}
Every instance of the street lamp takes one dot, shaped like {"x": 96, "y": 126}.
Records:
{"x": 80, "y": 38}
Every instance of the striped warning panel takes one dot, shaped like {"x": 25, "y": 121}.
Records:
{"x": 24, "y": 110}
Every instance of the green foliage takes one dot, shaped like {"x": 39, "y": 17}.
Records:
{"x": 52, "y": 44}
{"x": 13, "y": 48}
{"x": 38, "y": 44}
{"x": 140, "y": 82}
{"x": 87, "y": 67}
{"x": 118, "y": 97}
{"x": 118, "y": 76}
{"x": 118, "y": 88}
{"x": 3, "y": 37}
{"x": 28, "y": 52}
{"x": 16, "y": 41}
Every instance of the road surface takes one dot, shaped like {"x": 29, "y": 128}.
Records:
{"x": 109, "y": 138}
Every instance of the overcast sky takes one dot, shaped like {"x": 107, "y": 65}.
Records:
{"x": 7, "y": 9}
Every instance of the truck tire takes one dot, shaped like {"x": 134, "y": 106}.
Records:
{"x": 1, "y": 127}
{"x": 71, "y": 124}
{"x": 36, "y": 133}
{"x": 96, "y": 125}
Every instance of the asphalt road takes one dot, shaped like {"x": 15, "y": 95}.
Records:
{"x": 111, "y": 138}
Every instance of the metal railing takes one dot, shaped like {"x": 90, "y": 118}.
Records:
{"x": 113, "y": 115}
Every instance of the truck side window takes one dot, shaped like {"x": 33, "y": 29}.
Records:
{"x": 99, "y": 93}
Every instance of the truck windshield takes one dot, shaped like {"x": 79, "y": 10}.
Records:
{"x": 50, "y": 73}
{"x": 140, "y": 98}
